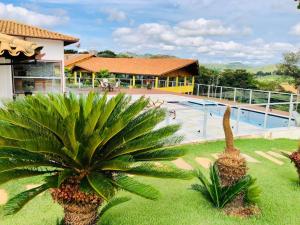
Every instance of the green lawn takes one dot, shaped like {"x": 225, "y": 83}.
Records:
{"x": 280, "y": 200}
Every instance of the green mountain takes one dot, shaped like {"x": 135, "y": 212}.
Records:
{"x": 239, "y": 65}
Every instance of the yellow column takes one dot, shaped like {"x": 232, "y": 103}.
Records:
{"x": 75, "y": 77}
{"x": 184, "y": 81}
{"x": 133, "y": 81}
{"x": 168, "y": 79}
{"x": 193, "y": 81}
{"x": 176, "y": 82}
{"x": 93, "y": 79}
{"x": 156, "y": 82}
{"x": 80, "y": 74}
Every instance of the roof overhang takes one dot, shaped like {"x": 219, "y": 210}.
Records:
{"x": 13, "y": 47}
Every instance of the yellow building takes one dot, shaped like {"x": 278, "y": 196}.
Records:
{"x": 172, "y": 74}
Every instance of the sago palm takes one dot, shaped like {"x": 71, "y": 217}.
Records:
{"x": 86, "y": 148}
{"x": 231, "y": 165}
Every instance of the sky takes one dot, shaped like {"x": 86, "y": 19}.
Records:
{"x": 253, "y": 32}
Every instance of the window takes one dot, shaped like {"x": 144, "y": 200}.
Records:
{"x": 41, "y": 76}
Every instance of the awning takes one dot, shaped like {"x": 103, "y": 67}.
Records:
{"x": 11, "y": 46}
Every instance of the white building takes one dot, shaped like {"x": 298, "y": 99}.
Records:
{"x": 31, "y": 59}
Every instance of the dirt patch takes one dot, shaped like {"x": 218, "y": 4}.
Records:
{"x": 3, "y": 196}
{"x": 272, "y": 159}
{"x": 243, "y": 212}
{"x": 180, "y": 163}
{"x": 205, "y": 162}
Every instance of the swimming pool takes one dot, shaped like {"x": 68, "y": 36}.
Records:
{"x": 246, "y": 115}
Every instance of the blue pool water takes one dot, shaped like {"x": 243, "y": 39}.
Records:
{"x": 248, "y": 116}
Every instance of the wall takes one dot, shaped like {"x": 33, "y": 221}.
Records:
{"x": 6, "y": 90}
{"x": 54, "y": 50}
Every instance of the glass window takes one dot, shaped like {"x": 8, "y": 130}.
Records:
{"x": 38, "y": 69}
{"x": 40, "y": 77}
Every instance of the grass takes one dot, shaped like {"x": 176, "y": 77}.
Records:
{"x": 280, "y": 200}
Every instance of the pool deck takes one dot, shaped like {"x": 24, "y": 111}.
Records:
{"x": 143, "y": 91}
{"x": 192, "y": 119}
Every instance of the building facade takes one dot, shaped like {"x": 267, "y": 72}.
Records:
{"x": 41, "y": 73}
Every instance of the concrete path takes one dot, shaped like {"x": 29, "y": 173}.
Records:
{"x": 204, "y": 162}
{"x": 276, "y": 155}
{"x": 269, "y": 157}
{"x": 181, "y": 164}
{"x": 247, "y": 157}
{"x": 3, "y": 196}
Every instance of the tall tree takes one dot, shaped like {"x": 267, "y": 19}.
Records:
{"x": 85, "y": 147}
{"x": 208, "y": 76}
{"x": 298, "y": 3}
{"x": 237, "y": 78}
{"x": 290, "y": 66}
{"x": 107, "y": 54}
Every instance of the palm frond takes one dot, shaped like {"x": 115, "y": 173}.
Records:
{"x": 146, "y": 141}
{"x": 131, "y": 185}
{"x": 164, "y": 154}
{"x": 162, "y": 171}
{"x": 102, "y": 185}
{"x": 15, "y": 204}
{"x": 112, "y": 203}
{"x": 20, "y": 173}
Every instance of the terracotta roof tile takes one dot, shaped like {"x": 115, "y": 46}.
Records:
{"x": 18, "y": 29}
{"x": 71, "y": 59}
{"x": 14, "y": 46}
{"x": 138, "y": 66}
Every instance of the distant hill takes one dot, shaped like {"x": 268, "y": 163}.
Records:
{"x": 239, "y": 65}
{"x": 147, "y": 55}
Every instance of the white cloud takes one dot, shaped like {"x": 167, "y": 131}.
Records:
{"x": 202, "y": 27}
{"x": 115, "y": 15}
{"x": 296, "y": 29}
{"x": 9, "y": 11}
{"x": 190, "y": 39}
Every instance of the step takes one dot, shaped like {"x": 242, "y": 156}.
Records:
{"x": 267, "y": 156}
{"x": 181, "y": 164}
{"x": 204, "y": 162}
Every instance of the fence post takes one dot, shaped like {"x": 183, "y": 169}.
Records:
{"x": 79, "y": 82}
{"x": 267, "y": 110}
{"x": 208, "y": 91}
{"x": 290, "y": 110}
{"x": 237, "y": 121}
{"x": 221, "y": 92}
{"x": 234, "y": 95}
{"x": 204, "y": 122}
{"x": 250, "y": 97}
{"x": 198, "y": 86}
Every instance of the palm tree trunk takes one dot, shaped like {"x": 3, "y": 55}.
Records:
{"x": 80, "y": 208}
{"x": 76, "y": 214}
{"x": 231, "y": 165}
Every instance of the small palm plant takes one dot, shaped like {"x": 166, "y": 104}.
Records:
{"x": 232, "y": 169}
{"x": 86, "y": 148}
{"x": 219, "y": 195}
